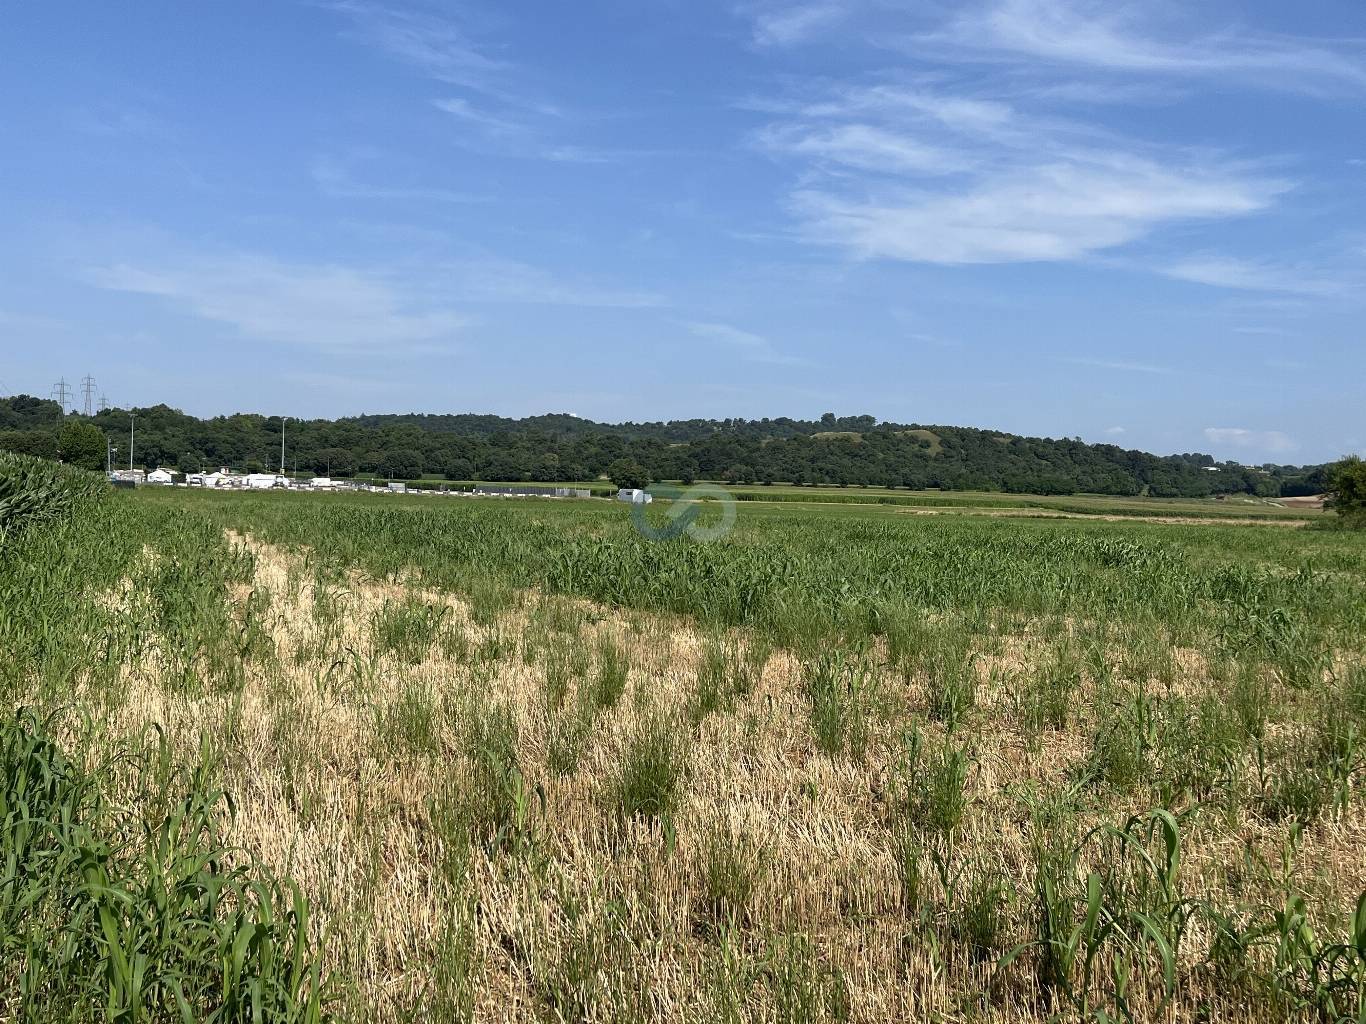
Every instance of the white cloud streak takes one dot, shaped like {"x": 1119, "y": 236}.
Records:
{"x": 790, "y": 24}
{"x": 330, "y": 308}
{"x": 435, "y": 46}
{"x": 509, "y": 281}
{"x": 1244, "y": 275}
{"x": 752, "y": 347}
{"x": 1074, "y": 207}
{"x": 1119, "y": 365}
{"x": 1261, "y": 441}
{"x": 1120, "y": 37}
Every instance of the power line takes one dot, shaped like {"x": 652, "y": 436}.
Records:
{"x": 88, "y": 387}
{"x": 104, "y": 402}
{"x": 61, "y": 391}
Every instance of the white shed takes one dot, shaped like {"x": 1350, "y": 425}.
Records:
{"x": 159, "y": 476}
{"x": 260, "y": 481}
{"x": 321, "y": 483}
{"x": 635, "y": 496}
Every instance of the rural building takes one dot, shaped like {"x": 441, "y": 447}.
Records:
{"x": 634, "y": 495}
{"x": 261, "y": 481}
{"x": 160, "y": 476}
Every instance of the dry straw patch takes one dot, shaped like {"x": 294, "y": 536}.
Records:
{"x": 508, "y": 812}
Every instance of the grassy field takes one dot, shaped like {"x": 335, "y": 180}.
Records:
{"x": 386, "y": 759}
{"x": 1231, "y": 507}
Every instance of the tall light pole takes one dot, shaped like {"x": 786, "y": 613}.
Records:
{"x": 130, "y": 441}
{"x": 109, "y": 456}
{"x": 282, "y": 444}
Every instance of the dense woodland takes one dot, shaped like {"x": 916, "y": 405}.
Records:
{"x": 839, "y": 450}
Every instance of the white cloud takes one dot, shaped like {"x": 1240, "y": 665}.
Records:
{"x": 1119, "y": 365}
{"x": 1227, "y": 272}
{"x": 963, "y": 114}
{"x": 1267, "y": 441}
{"x": 753, "y": 347}
{"x": 791, "y": 24}
{"x": 1118, "y": 37}
{"x": 333, "y": 308}
{"x": 508, "y": 281}
{"x": 862, "y": 146}
{"x": 1115, "y": 431}
{"x": 435, "y": 46}
{"x": 440, "y": 48}
{"x": 466, "y": 111}
{"x": 1063, "y": 210}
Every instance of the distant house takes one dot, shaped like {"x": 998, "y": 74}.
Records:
{"x": 397, "y": 487}
{"x": 635, "y": 496}
{"x": 261, "y": 481}
{"x": 160, "y": 476}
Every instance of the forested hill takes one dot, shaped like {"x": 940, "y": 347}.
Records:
{"x": 831, "y": 450}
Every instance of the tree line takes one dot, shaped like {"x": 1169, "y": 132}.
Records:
{"x": 834, "y": 450}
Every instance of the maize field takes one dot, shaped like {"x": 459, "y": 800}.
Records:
{"x": 279, "y": 757}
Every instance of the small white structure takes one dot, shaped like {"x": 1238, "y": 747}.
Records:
{"x": 321, "y": 483}
{"x": 260, "y": 481}
{"x": 159, "y": 476}
{"x": 397, "y": 487}
{"x": 635, "y": 496}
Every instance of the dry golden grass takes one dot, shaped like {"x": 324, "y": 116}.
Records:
{"x": 358, "y": 772}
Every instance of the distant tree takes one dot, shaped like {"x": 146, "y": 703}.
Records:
{"x": 459, "y": 469}
{"x": 405, "y": 464}
{"x": 628, "y": 474}
{"x": 81, "y": 444}
{"x": 738, "y": 474}
{"x": 42, "y": 443}
{"x": 1347, "y": 491}
{"x": 334, "y": 461}
{"x": 190, "y": 462}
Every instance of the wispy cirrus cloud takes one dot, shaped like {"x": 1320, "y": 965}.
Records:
{"x": 1247, "y": 275}
{"x": 991, "y": 150}
{"x": 326, "y": 307}
{"x": 862, "y": 146}
{"x": 1129, "y": 37}
{"x": 1078, "y": 205}
{"x": 1119, "y": 365}
{"x": 752, "y": 347}
{"x": 490, "y": 279}
{"x": 910, "y": 172}
{"x": 439, "y": 47}
{"x": 787, "y": 24}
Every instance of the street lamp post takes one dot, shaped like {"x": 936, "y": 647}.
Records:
{"x": 282, "y": 444}
{"x": 130, "y": 441}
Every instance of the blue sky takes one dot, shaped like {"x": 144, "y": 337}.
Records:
{"x": 1142, "y": 223}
